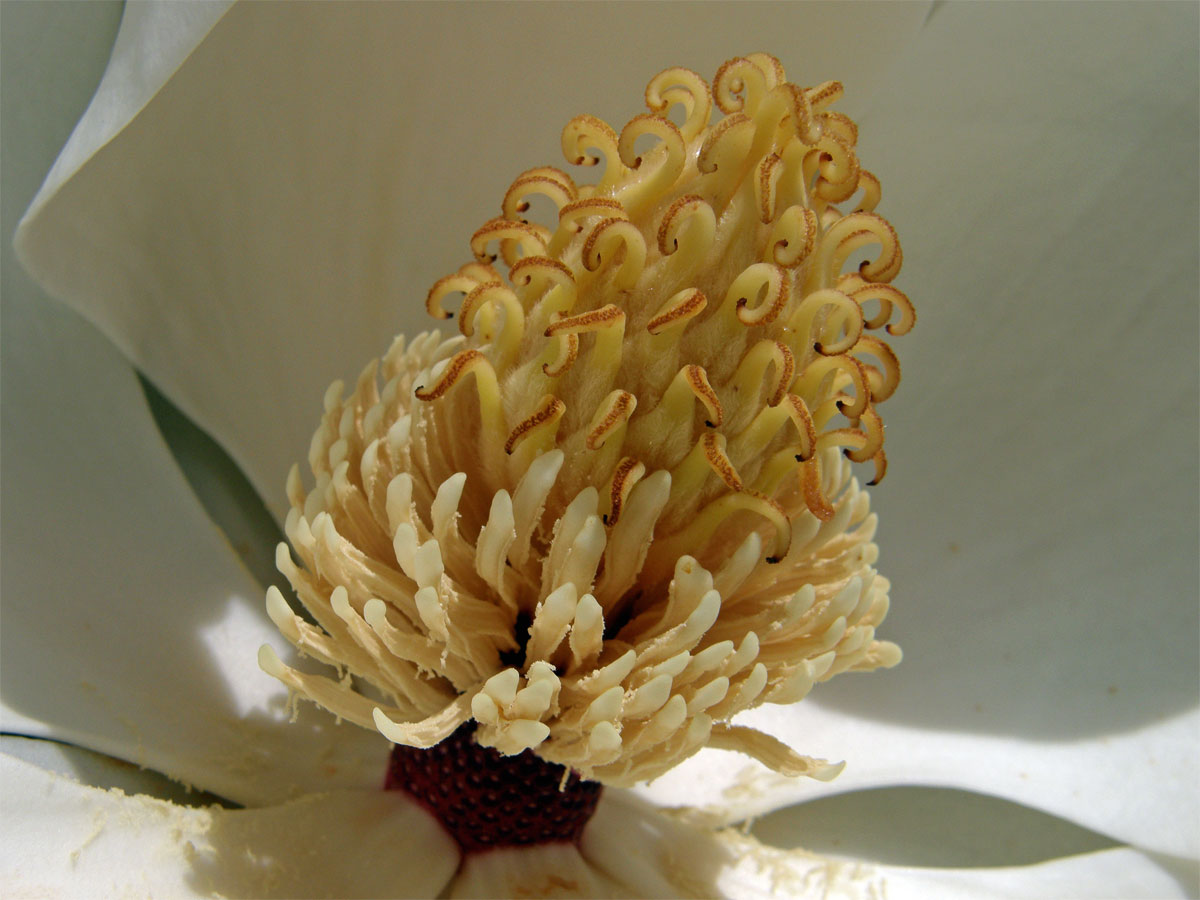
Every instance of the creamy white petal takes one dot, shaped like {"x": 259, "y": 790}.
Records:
{"x": 129, "y": 624}
{"x": 1120, "y": 874}
{"x": 153, "y": 40}
{"x": 1138, "y": 788}
{"x": 631, "y": 849}
{"x": 547, "y": 870}
{"x": 1040, "y": 523}
{"x": 924, "y": 827}
{"x": 1046, "y": 540}
{"x": 100, "y": 771}
{"x": 64, "y": 839}
{"x": 662, "y": 856}
{"x": 284, "y": 203}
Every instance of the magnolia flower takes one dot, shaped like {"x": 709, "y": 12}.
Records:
{"x": 140, "y": 639}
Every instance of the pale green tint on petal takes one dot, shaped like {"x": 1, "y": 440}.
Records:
{"x": 129, "y": 625}
{"x": 63, "y": 839}
{"x": 1039, "y": 519}
{"x": 222, "y": 489}
{"x": 281, "y": 207}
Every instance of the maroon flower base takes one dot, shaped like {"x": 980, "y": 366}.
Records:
{"x": 485, "y": 800}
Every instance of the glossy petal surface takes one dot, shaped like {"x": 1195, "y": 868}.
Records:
{"x": 129, "y": 625}
{"x": 1039, "y": 521}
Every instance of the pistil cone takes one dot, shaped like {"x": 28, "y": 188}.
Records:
{"x": 617, "y": 508}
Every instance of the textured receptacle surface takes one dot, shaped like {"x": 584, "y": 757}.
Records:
{"x": 485, "y": 800}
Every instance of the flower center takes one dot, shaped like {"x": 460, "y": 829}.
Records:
{"x": 486, "y": 800}
{"x": 617, "y": 509}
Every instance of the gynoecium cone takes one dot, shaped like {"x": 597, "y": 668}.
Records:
{"x": 617, "y": 508}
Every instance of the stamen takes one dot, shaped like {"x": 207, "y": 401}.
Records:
{"x": 547, "y": 181}
{"x": 685, "y": 87}
{"x": 640, "y": 520}
{"x": 677, "y": 311}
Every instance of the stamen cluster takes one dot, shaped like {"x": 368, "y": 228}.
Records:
{"x": 617, "y": 509}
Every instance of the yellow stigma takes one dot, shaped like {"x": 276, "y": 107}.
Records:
{"x": 617, "y": 509}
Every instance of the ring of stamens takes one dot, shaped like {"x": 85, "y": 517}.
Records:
{"x": 618, "y": 508}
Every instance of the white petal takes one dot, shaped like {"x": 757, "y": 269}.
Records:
{"x": 632, "y": 850}
{"x": 271, "y": 217}
{"x": 940, "y": 828}
{"x": 656, "y": 855}
{"x": 129, "y": 624}
{"x": 63, "y": 839}
{"x": 97, "y": 770}
{"x": 545, "y": 870}
{"x": 1120, "y": 874}
{"x": 1039, "y": 516}
{"x": 1138, "y": 788}
{"x": 171, "y": 31}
